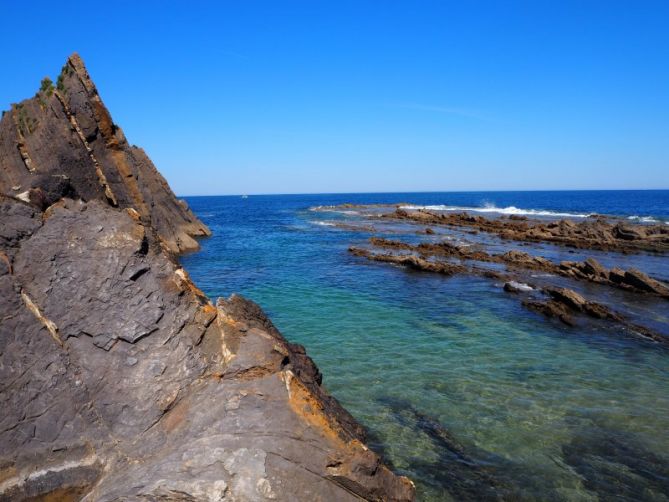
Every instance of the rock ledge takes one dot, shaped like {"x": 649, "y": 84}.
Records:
{"x": 119, "y": 379}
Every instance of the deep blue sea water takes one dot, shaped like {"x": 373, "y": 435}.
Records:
{"x": 538, "y": 409}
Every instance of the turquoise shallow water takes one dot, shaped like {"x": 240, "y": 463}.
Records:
{"x": 461, "y": 388}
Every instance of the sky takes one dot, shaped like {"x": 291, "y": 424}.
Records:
{"x": 252, "y": 97}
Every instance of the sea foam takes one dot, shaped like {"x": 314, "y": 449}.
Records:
{"x": 490, "y": 208}
{"x": 643, "y": 219}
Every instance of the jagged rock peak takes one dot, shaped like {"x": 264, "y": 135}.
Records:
{"x": 66, "y": 132}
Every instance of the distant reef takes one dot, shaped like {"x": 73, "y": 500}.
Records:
{"x": 119, "y": 378}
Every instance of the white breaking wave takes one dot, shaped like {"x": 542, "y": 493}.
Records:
{"x": 323, "y": 223}
{"x": 490, "y": 208}
{"x": 333, "y": 209}
{"x": 644, "y": 219}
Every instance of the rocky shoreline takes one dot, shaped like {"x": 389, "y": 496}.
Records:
{"x": 559, "y": 290}
{"x": 120, "y": 379}
{"x": 592, "y": 233}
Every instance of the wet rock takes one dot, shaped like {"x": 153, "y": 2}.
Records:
{"x": 639, "y": 280}
{"x": 617, "y": 275}
{"x": 594, "y": 268}
{"x": 410, "y": 261}
{"x": 525, "y": 260}
{"x": 517, "y": 287}
{"x": 628, "y": 232}
{"x": 591, "y": 233}
{"x": 574, "y": 301}
{"x": 567, "y": 297}
{"x": 551, "y": 309}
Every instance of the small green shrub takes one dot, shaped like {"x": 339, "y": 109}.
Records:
{"x": 46, "y": 86}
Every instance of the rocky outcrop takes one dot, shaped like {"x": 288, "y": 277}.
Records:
{"x": 119, "y": 379}
{"x": 591, "y": 233}
{"x": 630, "y": 280}
{"x": 562, "y": 303}
{"x": 589, "y": 270}
{"x": 65, "y": 133}
{"x": 410, "y": 261}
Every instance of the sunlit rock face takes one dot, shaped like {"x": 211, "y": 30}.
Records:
{"x": 63, "y": 142}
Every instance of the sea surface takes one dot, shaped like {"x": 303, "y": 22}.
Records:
{"x": 460, "y": 387}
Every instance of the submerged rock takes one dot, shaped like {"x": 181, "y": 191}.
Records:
{"x": 120, "y": 379}
{"x": 464, "y": 473}
{"x": 616, "y": 466}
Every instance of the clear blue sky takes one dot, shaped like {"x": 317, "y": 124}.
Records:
{"x": 355, "y": 96}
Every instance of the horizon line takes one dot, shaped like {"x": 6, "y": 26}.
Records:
{"x": 433, "y": 191}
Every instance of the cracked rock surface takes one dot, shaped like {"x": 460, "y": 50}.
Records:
{"x": 119, "y": 379}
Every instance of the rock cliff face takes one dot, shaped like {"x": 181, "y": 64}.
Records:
{"x": 63, "y": 142}
{"x": 119, "y": 379}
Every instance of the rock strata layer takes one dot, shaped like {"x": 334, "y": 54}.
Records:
{"x": 63, "y": 142}
{"x": 119, "y": 379}
{"x": 591, "y": 233}
{"x": 516, "y": 271}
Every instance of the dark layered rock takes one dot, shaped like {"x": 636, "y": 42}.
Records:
{"x": 641, "y": 281}
{"x": 631, "y": 280}
{"x": 589, "y": 270}
{"x": 557, "y": 302}
{"x": 591, "y": 233}
{"x": 410, "y": 261}
{"x": 616, "y": 465}
{"x": 465, "y": 473}
{"x": 564, "y": 302}
{"x": 65, "y": 135}
{"x": 119, "y": 379}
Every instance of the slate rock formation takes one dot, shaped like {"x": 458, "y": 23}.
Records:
{"x": 66, "y": 133}
{"x": 119, "y": 379}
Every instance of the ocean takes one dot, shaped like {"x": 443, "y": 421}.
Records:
{"x": 461, "y": 388}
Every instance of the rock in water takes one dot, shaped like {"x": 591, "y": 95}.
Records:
{"x": 639, "y": 280}
{"x": 119, "y": 379}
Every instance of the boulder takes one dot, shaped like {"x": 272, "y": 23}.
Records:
{"x": 594, "y": 268}
{"x": 639, "y": 280}
{"x": 567, "y": 297}
{"x": 628, "y": 232}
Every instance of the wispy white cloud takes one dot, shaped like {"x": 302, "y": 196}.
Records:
{"x": 461, "y": 112}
